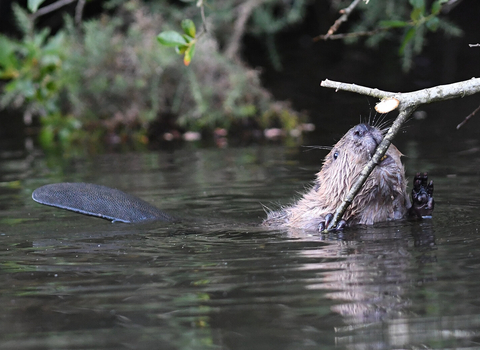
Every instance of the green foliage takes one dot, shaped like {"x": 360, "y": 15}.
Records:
{"x": 33, "y": 68}
{"x": 414, "y": 17}
{"x": 267, "y": 19}
{"x": 184, "y": 43}
{"x": 106, "y": 80}
{"x": 34, "y": 4}
{"x": 24, "y": 23}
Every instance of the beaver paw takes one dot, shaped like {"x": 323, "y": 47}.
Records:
{"x": 326, "y": 222}
{"x": 422, "y": 196}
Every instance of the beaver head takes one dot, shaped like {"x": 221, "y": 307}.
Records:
{"x": 384, "y": 189}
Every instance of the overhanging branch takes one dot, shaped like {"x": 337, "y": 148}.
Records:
{"x": 408, "y": 103}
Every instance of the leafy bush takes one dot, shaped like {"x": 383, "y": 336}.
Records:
{"x": 34, "y": 67}
{"x": 109, "y": 79}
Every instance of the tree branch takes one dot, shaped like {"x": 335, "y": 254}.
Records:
{"x": 244, "y": 12}
{"x": 408, "y": 103}
{"x": 468, "y": 117}
{"x": 79, "y": 12}
{"x": 415, "y": 98}
{"x": 343, "y": 18}
{"x": 351, "y": 35}
{"x": 52, "y": 7}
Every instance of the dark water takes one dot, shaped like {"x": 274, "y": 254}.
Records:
{"x": 69, "y": 281}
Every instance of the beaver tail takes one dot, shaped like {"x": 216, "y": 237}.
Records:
{"x": 100, "y": 201}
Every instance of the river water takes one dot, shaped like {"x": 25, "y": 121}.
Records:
{"x": 69, "y": 281}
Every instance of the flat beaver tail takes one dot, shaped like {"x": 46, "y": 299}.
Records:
{"x": 100, "y": 201}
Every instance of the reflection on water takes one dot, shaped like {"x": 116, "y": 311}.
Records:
{"x": 221, "y": 282}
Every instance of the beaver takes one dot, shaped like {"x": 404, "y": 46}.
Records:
{"x": 382, "y": 198}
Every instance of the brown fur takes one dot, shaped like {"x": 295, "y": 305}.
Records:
{"x": 383, "y": 197}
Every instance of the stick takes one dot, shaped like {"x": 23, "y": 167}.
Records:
{"x": 52, "y": 7}
{"x": 419, "y": 97}
{"x": 79, "y": 12}
{"x": 408, "y": 103}
{"x": 467, "y": 118}
{"x": 343, "y": 18}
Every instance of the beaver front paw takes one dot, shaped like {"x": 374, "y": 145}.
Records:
{"x": 422, "y": 196}
{"x": 326, "y": 222}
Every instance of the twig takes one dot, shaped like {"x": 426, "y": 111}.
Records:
{"x": 343, "y": 18}
{"x": 474, "y": 45}
{"x": 204, "y": 21}
{"x": 79, "y": 12}
{"x": 245, "y": 10}
{"x": 467, "y": 118}
{"x": 350, "y": 35}
{"x": 52, "y": 7}
{"x": 408, "y": 103}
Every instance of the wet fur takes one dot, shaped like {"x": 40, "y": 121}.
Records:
{"x": 383, "y": 197}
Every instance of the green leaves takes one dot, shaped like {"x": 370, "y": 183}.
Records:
{"x": 33, "y": 5}
{"x": 437, "y": 6}
{"x": 189, "y": 54}
{"x": 415, "y": 30}
{"x": 184, "y": 43}
{"x": 393, "y": 24}
{"x": 189, "y": 27}
{"x": 171, "y": 38}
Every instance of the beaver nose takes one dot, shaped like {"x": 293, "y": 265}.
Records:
{"x": 361, "y": 129}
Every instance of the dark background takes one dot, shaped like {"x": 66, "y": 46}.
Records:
{"x": 306, "y": 63}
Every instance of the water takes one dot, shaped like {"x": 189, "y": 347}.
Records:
{"x": 69, "y": 281}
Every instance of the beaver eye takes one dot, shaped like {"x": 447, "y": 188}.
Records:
{"x": 335, "y": 155}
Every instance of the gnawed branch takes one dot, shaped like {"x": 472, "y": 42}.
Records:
{"x": 408, "y": 103}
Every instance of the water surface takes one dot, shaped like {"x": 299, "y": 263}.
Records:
{"x": 221, "y": 282}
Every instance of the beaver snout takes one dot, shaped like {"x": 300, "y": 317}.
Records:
{"x": 367, "y": 137}
{"x": 361, "y": 129}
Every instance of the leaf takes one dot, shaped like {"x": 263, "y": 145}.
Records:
{"x": 437, "y": 6}
{"x": 417, "y": 3}
{"x": 189, "y": 55}
{"x": 189, "y": 27}
{"x": 417, "y": 13}
{"x": 393, "y": 24}
{"x": 6, "y": 51}
{"x": 408, "y": 37}
{"x": 187, "y": 38}
{"x": 432, "y": 24}
{"x": 171, "y": 38}
{"x": 25, "y": 24}
{"x": 34, "y": 4}
{"x": 181, "y": 49}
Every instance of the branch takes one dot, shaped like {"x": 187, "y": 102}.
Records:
{"x": 244, "y": 12}
{"x": 350, "y": 35}
{"x": 79, "y": 12}
{"x": 408, "y": 103}
{"x": 52, "y": 7}
{"x": 343, "y": 18}
{"x": 467, "y": 118}
{"x": 415, "y": 98}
